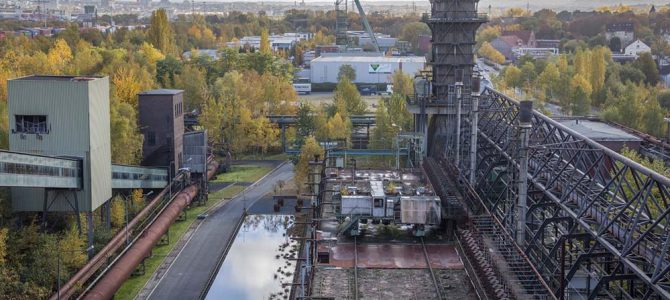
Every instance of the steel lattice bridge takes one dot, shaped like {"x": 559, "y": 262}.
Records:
{"x": 597, "y": 223}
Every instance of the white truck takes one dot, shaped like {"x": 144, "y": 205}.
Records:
{"x": 302, "y": 86}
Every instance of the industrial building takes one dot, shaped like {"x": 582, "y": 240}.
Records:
{"x": 369, "y": 69}
{"x": 65, "y": 116}
{"x": 603, "y": 133}
{"x": 162, "y": 119}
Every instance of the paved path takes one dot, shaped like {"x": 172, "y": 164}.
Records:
{"x": 188, "y": 275}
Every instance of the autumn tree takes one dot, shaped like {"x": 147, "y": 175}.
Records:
{"x": 192, "y": 79}
{"x": 59, "y": 56}
{"x": 307, "y": 153}
{"x": 347, "y": 99}
{"x": 385, "y": 131}
{"x": 549, "y": 79}
{"x": 126, "y": 139}
{"x": 486, "y": 50}
{"x": 338, "y": 128}
{"x": 402, "y": 84}
{"x": 160, "y": 32}
{"x": 581, "y": 95}
{"x": 265, "y": 46}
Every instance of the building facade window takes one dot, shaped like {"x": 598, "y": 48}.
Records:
{"x": 151, "y": 138}
{"x": 31, "y": 124}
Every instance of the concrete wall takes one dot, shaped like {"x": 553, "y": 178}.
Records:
{"x": 78, "y": 122}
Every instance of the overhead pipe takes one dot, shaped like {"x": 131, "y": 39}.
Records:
{"x": 140, "y": 249}
{"x": 119, "y": 239}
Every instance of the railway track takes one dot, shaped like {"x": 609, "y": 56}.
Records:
{"x": 436, "y": 284}
{"x": 355, "y": 268}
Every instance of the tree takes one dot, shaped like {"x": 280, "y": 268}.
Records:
{"x": 486, "y": 50}
{"x": 598, "y": 71}
{"x": 152, "y": 54}
{"x": 615, "y": 44}
{"x": 347, "y": 99}
{"x": 167, "y": 70}
{"x": 385, "y": 131}
{"x": 487, "y": 34}
{"x": 398, "y": 112}
{"x": 549, "y": 79}
{"x": 59, "y": 56}
{"x": 513, "y": 77}
{"x": 402, "y": 84}
{"x": 160, "y": 33}
{"x": 581, "y": 95}
{"x": 193, "y": 81}
{"x": 346, "y": 71}
{"x": 528, "y": 73}
{"x": 307, "y": 153}
{"x": 305, "y": 123}
{"x": 265, "y": 47}
{"x": 86, "y": 60}
{"x": 126, "y": 139}
{"x": 646, "y": 64}
{"x": 338, "y": 128}
{"x": 117, "y": 212}
{"x": 411, "y": 32}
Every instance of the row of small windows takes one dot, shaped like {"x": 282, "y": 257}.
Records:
{"x": 178, "y": 110}
{"x": 138, "y": 176}
{"x": 15, "y": 168}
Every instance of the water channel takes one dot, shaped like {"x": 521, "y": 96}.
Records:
{"x": 259, "y": 261}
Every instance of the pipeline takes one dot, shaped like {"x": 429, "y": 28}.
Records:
{"x": 93, "y": 265}
{"x": 126, "y": 264}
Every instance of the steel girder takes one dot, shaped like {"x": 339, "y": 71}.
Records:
{"x": 592, "y": 211}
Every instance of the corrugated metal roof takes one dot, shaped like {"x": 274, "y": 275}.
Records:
{"x": 162, "y": 92}
{"x": 599, "y": 131}
{"x": 371, "y": 59}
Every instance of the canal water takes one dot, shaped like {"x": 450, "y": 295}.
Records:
{"x": 258, "y": 262}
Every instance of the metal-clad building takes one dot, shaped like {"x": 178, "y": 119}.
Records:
{"x": 369, "y": 69}
{"x": 162, "y": 124}
{"x": 63, "y": 116}
{"x": 195, "y": 151}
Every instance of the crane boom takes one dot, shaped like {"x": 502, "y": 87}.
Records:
{"x": 366, "y": 24}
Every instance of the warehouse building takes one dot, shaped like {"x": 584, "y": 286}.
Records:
{"x": 369, "y": 69}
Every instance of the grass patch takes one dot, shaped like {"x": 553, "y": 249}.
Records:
{"x": 134, "y": 284}
{"x": 243, "y": 173}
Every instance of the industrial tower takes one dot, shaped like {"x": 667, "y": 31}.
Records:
{"x": 444, "y": 104}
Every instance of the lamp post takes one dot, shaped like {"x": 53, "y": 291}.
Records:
{"x": 58, "y": 263}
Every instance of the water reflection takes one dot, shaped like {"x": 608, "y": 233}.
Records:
{"x": 257, "y": 263}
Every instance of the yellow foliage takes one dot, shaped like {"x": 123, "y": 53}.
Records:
{"x": 307, "y": 152}
{"x": 152, "y": 54}
{"x": 118, "y": 212}
{"x": 486, "y": 50}
{"x": 59, "y": 56}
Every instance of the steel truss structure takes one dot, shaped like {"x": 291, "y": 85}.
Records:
{"x": 597, "y": 223}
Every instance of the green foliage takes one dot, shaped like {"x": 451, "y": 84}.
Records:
{"x": 305, "y": 123}
{"x": 348, "y": 100}
{"x": 402, "y": 84}
{"x": 160, "y": 32}
{"x": 346, "y": 71}
{"x": 265, "y": 47}
{"x": 126, "y": 139}
{"x": 646, "y": 64}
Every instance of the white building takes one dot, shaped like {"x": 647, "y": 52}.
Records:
{"x": 636, "y": 48}
{"x": 369, "y": 69}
